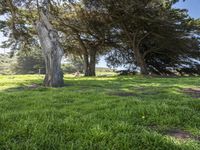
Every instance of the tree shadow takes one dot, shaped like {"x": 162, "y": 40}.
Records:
{"x": 136, "y": 85}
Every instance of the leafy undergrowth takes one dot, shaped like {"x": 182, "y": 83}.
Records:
{"x": 99, "y": 113}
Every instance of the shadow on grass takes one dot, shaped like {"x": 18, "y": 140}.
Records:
{"x": 85, "y": 112}
{"x": 120, "y": 86}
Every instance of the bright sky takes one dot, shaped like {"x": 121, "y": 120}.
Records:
{"x": 193, "y": 7}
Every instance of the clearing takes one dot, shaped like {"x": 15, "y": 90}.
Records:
{"x": 133, "y": 112}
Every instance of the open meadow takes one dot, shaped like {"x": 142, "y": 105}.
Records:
{"x": 116, "y": 112}
{"x": 100, "y": 75}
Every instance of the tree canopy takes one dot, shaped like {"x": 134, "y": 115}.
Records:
{"x": 149, "y": 35}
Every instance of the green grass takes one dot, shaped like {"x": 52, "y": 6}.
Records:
{"x": 89, "y": 113}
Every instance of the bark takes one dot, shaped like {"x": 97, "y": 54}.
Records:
{"x": 140, "y": 62}
{"x": 86, "y": 65}
{"x": 90, "y": 63}
{"x": 52, "y": 51}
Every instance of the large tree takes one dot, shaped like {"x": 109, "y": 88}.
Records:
{"x": 149, "y": 27}
{"x": 86, "y": 34}
{"x": 53, "y": 52}
{"x": 27, "y": 20}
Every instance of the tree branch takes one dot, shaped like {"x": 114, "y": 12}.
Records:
{"x": 146, "y": 35}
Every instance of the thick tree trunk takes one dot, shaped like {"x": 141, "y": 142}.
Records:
{"x": 90, "y": 64}
{"x": 52, "y": 51}
{"x": 141, "y": 62}
{"x": 143, "y": 67}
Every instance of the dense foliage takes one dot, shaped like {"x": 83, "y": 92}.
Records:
{"x": 29, "y": 62}
{"x": 153, "y": 36}
{"x": 146, "y": 35}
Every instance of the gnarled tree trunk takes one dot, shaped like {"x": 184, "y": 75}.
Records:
{"x": 52, "y": 51}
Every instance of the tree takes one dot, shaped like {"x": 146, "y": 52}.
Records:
{"x": 149, "y": 27}
{"x": 28, "y": 18}
{"x": 51, "y": 47}
{"x": 87, "y": 33}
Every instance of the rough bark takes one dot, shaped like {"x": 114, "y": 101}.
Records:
{"x": 52, "y": 51}
{"x": 86, "y": 65}
{"x": 141, "y": 62}
{"x": 90, "y": 63}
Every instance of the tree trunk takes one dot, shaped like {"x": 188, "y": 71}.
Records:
{"x": 92, "y": 62}
{"x": 141, "y": 62}
{"x": 52, "y": 51}
{"x": 89, "y": 58}
{"x": 89, "y": 63}
{"x": 86, "y": 65}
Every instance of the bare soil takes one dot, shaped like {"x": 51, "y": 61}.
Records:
{"x": 180, "y": 134}
{"x": 194, "y": 92}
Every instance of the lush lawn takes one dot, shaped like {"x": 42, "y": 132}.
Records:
{"x": 99, "y": 113}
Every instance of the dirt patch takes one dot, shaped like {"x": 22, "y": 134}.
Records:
{"x": 174, "y": 132}
{"x": 180, "y": 134}
{"x": 123, "y": 94}
{"x": 194, "y": 92}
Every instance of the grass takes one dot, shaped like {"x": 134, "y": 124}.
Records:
{"x": 98, "y": 113}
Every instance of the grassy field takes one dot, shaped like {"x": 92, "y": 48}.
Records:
{"x": 118, "y": 113}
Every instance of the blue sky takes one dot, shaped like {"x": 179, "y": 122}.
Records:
{"x": 193, "y": 7}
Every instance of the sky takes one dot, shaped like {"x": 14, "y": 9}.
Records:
{"x": 193, "y": 7}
